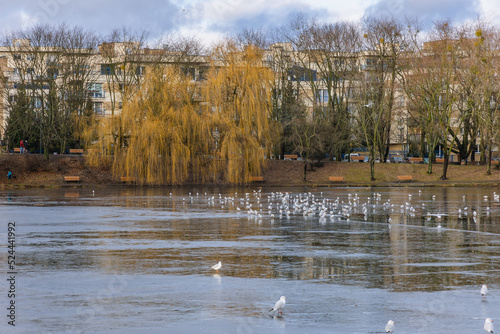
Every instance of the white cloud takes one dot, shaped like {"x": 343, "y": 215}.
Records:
{"x": 489, "y": 10}
{"x": 210, "y": 20}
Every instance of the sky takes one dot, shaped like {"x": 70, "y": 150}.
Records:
{"x": 211, "y": 20}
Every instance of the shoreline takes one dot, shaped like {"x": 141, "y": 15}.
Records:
{"x": 33, "y": 172}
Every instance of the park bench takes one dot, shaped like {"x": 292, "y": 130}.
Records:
{"x": 405, "y": 178}
{"x": 126, "y": 179}
{"x": 358, "y": 158}
{"x": 290, "y": 156}
{"x": 440, "y": 160}
{"x": 17, "y": 150}
{"x": 256, "y": 179}
{"x": 72, "y": 179}
{"x": 76, "y": 151}
{"x": 415, "y": 160}
{"x": 336, "y": 179}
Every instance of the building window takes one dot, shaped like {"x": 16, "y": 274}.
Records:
{"x": 189, "y": 72}
{"x": 36, "y": 102}
{"x": 107, "y": 69}
{"x": 202, "y": 71}
{"x": 52, "y": 73}
{"x": 98, "y": 108}
{"x": 322, "y": 96}
{"x": 401, "y": 101}
{"x": 120, "y": 105}
{"x": 96, "y": 90}
{"x": 17, "y": 57}
{"x": 140, "y": 70}
{"x": 302, "y": 74}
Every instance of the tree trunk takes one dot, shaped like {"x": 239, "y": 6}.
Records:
{"x": 429, "y": 164}
{"x": 445, "y": 164}
{"x": 372, "y": 169}
{"x": 46, "y": 151}
{"x": 305, "y": 171}
{"x": 488, "y": 161}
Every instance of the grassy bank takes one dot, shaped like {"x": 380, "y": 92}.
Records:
{"x": 34, "y": 171}
{"x": 358, "y": 174}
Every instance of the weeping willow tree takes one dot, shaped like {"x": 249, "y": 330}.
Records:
{"x": 166, "y": 136}
{"x": 171, "y": 137}
{"x": 238, "y": 100}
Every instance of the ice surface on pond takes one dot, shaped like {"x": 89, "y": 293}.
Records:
{"x": 133, "y": 260}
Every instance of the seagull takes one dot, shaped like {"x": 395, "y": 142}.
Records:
{"x": 217, "y": 266}
{"x": 279, "y": 305}
{"x": 484, "y": 290}
{"x": 389, "y": 328}
{"x": 488, "y": 325}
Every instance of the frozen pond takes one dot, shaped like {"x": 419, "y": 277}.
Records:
{"x": 127, "y": 260}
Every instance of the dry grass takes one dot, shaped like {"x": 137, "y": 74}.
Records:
{"x": 290, "y": 173}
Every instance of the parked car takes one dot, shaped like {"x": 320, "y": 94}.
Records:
{"x": 397, "y": 159}
{"x": 346, "y": 157}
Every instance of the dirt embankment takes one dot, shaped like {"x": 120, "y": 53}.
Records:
{"x": 33, "y": 171}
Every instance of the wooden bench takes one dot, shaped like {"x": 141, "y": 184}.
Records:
{"x": 291, "y": 156}
{"x": 256, "y": 179}
{"x": 440, "y": 160}
{"x": 72, "y": 179}
{"x": 405, "y": 178}
{"x": 494, "y": 162}
{"x": 358, "y": 158}
{"x": 336, "y": 179}
{"x": 415, "y": 160}
{"x": 17, "y": 150}
{"x": 76, "y": 151}
{"x": 126, "y": 179}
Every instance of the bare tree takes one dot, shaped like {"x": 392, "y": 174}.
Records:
{"x": 51, "y": 72}
{"x": 326, "y": 69}
{"x": 385, "y": 40}
{"x": 485, "y": 65}
{"x": 123, "y": 68}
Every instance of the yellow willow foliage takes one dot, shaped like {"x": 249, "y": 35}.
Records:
{"x": 166, "y": 138}
{"x": 171, "y": 137}
{"x": 238, "y": 96}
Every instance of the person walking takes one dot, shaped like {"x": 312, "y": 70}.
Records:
{"x": 9, "y": 176}
{"x": 21, "y": 146}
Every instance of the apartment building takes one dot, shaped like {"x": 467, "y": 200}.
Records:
{"x": 99, "y": 80}
{"x": 82, "y": 80}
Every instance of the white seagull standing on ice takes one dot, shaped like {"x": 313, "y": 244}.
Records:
{"x": 279, "y": 305}
{"x": 484, "y": 290}
{"x": 389, "y": 328}
{"x": 217, "y": 266}
{"x": 488, "y": 325}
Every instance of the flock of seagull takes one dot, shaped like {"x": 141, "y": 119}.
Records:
{"x": 283, "y": 205}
